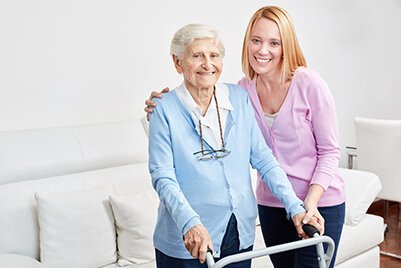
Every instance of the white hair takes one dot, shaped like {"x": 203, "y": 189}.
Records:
{"x": 187, "y": 34}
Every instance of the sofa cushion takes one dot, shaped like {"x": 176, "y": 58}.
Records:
{"x": 135, "y": 217}
{"x": 366, "y": 259}
{"x": 19, "y": 261}
{"x": 76, "y": 228}
{"x": 19, "y": 230}
{"x": 361, "y": 189}
{"x": 361, "y": 237}
{"x": 151, "y": 264}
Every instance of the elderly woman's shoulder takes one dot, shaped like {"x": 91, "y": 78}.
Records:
{"x": 245, "y": 82}
{"x": 167, "y": 98}
{"x": 236, "y": 89}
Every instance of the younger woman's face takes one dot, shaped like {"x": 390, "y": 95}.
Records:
{"x": 265, "y": 51}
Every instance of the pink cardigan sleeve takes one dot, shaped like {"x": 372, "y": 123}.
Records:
{"x": 324, "y": 122}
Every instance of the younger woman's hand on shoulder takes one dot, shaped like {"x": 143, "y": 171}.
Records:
{"x": 149, "y": 104}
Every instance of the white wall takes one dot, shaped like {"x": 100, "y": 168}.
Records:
{"x": 90, "y": 61}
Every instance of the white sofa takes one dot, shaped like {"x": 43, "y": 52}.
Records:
{"x": 81, "y": 197}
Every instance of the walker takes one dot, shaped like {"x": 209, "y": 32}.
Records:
{"x": 315, "y": 239}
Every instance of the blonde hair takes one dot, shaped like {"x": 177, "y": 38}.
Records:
{"x": 293, "y": 57}
{"x": 187, "y": 34}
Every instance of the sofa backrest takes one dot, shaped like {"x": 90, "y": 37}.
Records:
{"x": 40, "y": 153}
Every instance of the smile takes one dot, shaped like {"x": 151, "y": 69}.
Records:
{"x": 206, "y": 73}
{"x": 263, "y": 60}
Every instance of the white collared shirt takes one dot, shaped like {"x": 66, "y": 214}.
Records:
{"x": 210, "y": 123}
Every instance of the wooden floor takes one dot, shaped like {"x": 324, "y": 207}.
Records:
{"x": 392, "y": 238}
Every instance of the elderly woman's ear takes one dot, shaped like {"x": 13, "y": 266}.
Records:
{"x": 177, "y": 64}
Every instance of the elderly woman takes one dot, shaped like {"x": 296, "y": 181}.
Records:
{"x": 202, "y": 138}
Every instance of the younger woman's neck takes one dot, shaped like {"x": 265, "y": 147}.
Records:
{"x": 269, "y": 82}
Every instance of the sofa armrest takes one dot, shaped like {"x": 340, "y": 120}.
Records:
{"x": 361, "y": 189}
{"x": 19, "y": 261}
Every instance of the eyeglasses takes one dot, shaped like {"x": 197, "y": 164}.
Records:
{"x": 210, "y": 154}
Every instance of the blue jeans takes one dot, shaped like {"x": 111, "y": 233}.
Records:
{"x": 277, "y": 230}
{"x": 229, "y": 246}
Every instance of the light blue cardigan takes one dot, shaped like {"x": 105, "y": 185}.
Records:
{"x": 207, "y": 192}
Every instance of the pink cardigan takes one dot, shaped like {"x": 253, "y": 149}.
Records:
{"x": 303, "y": 138}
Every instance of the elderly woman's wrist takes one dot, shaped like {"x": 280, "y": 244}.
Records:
{"x": 191, "y": 223}
{"x": 295, "y": 210}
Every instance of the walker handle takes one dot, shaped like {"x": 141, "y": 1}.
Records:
{"x": 209, "y": 257}
{"x": 310, "y": 230}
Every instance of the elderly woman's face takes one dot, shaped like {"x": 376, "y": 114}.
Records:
{"x": 201, "y": 64}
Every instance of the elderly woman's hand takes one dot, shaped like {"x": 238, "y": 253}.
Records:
{"x": 149, "y": 104}
{"x": 297, "y": 220}
{"x": 197, "y": 240}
